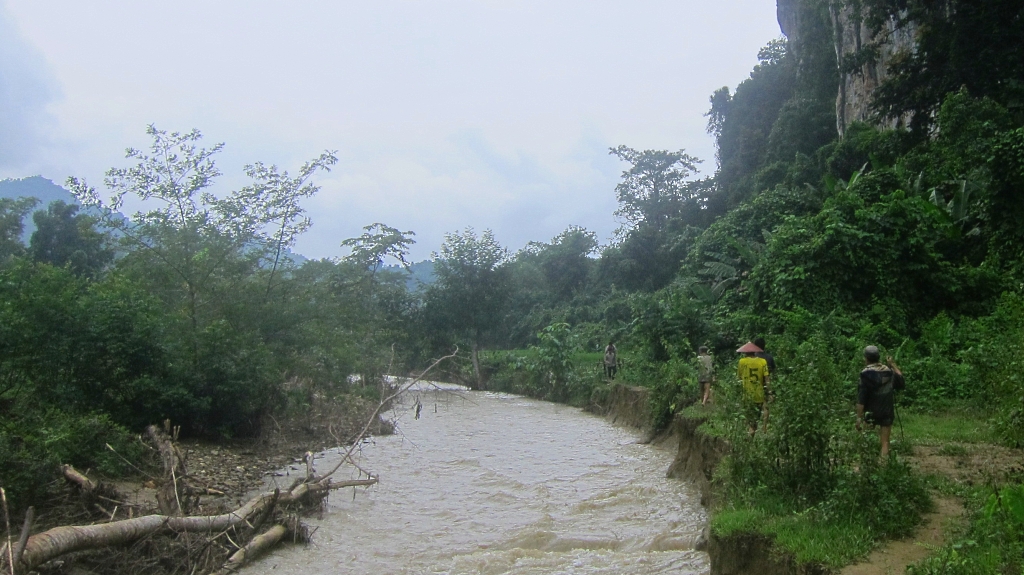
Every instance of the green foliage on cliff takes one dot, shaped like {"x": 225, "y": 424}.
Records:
{"x": 960, "y": 44}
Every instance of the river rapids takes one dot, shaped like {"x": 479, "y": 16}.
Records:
{"x": 489, "y": 483}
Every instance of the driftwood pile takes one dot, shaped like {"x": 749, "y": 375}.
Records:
{"x": 245, "y": 532}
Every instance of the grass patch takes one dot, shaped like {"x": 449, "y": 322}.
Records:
{"x": 810, "y": 540}
{"x": 698, "y": 411}
{"x": 960, "y": 426}
{"x": 952, "y": 450}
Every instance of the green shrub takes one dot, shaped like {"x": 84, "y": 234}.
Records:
{"x": 33, "y": 446}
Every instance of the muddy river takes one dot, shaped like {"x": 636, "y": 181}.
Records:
{"x": 488, "y": 483}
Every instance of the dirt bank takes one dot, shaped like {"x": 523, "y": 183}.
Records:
{"x": 697, "y": 455}
{"x": 626, "y": 405}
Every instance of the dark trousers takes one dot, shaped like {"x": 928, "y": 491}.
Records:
{"x": 610, "y": 370}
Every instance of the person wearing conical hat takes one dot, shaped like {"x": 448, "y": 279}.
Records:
{"x": 753, "y": 373}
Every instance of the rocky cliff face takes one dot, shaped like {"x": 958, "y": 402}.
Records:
{"x": 850, "y": 35}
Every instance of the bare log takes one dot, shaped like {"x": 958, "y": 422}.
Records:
{"x": 78, "y": 478}
{"x": 257, "y": 546}
{"x": 58, "y": 541}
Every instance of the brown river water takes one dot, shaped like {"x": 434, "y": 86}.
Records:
{"x": 488, "y": 483}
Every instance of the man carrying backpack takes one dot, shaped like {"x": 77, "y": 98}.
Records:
{"x": 875, "y": 403}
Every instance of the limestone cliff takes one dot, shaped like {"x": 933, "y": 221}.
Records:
{"x": 851, "y": 34}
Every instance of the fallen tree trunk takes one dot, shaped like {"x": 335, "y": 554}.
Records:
{"x": 79, "y": 479}
{"x": 255, "y": 548}
{"x": 58, "y": 541}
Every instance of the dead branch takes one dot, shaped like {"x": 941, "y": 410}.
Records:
{"x": 8, "y": 549}
{"x": 384, "y": 401}
{"x": 58, "y": 541}
{"x": 257, "y": 546}
{"x": 48, "y": 545}
{"x": 26, "y": 528}
{"x": 74, "y": 476}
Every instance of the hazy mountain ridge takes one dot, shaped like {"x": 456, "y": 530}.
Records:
{"x": 47, "y": 192}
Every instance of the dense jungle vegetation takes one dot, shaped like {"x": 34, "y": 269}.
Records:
{"x": 903, "y": 233}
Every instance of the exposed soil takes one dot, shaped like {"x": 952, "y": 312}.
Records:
{"x": 893, "y": 558}
{"x": 971, "y": 464}
{"x": 234, "y": 469}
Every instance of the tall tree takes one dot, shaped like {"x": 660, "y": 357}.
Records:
{"x": 12, "y": 225}
{"x": 657, "y": 202}
{"x": 378, "y": 243}
{"x": 654, "y": 187}
{"x": 381, "y": 293}
{"x": 212, "y": 260}
{"x": 193, "y": 239}
{"x": 566, "y": 262}
{"x": 472, "y": 289}
{"x": 64, "y": 237}
{"x": 271, "y": 204}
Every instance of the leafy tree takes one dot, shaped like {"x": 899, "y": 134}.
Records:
{"x": 656, "y": 202}
{"x": 378, "y": 242}
{"x": 270, "y": 208}
{"x": 472, "y": 289}
{"x": 565, "y": 262}
{"x": 742, "y": 123}
{"x": 213, "y": 262}
{"x": 655, "y": 187}
{"x": 194, "y": 239}
{"x": 64, "y": 237}
{"x": 384, "y": 302}
{"x": 12, "y": 216}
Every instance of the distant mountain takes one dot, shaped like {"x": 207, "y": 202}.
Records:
{"x": 37, "y": 187}
{"x": 421, "y": 276}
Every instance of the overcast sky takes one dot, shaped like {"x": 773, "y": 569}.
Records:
{"x": 445, "y": 114}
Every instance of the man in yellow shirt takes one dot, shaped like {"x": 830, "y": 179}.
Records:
{"x": 753, "y": 373}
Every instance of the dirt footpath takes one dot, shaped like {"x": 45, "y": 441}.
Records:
{"x": 969, "y": 464}
{"x": 893, "y": 558}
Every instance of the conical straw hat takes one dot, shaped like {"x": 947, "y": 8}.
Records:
{"x": 749, "y": 348}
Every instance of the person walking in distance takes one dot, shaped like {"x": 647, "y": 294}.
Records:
{"x": 705, "y": 372}
{"x": 611, "y": 360}
{"x": 753, "y": 373}
{"x": 875, "y": 401}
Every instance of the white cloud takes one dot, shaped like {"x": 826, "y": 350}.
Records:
{"x": 448, "y": 113}
{"x": 26, "y": 91}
